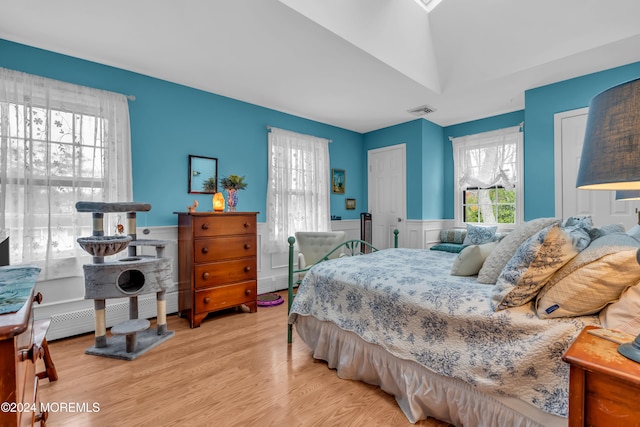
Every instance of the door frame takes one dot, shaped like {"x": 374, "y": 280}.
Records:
{"x": 557, "y": 155}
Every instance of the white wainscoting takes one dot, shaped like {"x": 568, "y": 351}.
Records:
{"x": 71, "y": 314}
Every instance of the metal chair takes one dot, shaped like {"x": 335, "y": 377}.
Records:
{"x": 315, "y": 247}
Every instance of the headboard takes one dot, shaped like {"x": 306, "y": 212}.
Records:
{"x": 4, "y": 247}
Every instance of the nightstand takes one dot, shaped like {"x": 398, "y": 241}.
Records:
{"x": 604, "y": 386}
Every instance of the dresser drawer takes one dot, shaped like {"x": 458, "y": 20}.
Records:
{"x": 222, "y": 226}
{"x": 608, "y": 399}
{"x": 217, "y": 273}
{"x": 220, "y": 248}
{"x": 225, "y": 296}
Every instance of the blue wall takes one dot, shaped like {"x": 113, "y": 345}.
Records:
{"x": 170, "y": 121}
{"x": 425, "y": 167}
{"x": 540, "y": 106}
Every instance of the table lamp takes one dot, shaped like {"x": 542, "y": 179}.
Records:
{"x": 611, "y": 154}
{"x": 218, "y": 202}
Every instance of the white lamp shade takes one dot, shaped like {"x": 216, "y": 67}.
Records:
{"x": 611, "y": 151}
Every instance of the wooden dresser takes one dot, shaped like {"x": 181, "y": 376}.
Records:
{"x": 217, "y": 262}
{"x": 20, "y": 348}
{"x": 604, "y": 386}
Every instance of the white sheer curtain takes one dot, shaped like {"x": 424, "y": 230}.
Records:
{"x": 487, "y": 159}
{"x": 298, "y": 190}
{"x": 59, "y": 143}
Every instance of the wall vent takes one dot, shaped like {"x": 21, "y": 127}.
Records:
{"x": 421, "y": 111}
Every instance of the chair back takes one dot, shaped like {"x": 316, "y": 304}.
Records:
{"x": 314, "y": 245}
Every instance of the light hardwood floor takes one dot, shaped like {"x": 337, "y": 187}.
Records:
{"x": 235, "y": 370}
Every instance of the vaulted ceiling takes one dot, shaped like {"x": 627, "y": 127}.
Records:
{"x": 356, "y": 64}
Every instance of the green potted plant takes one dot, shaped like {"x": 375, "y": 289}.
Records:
{"x": 210, "y": 185}
{"x": 232, "y": 184}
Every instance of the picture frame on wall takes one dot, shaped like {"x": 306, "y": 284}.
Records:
{"x": 351, "y": 204}
{"x": 338, "y": 181}
{"x": 203, "y": 175}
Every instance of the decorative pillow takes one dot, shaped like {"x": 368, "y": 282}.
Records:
{"x": 533, "y": 264}
{"x": 498, "y": 236}
{"x": 624, "y": 314}
{"x": 596, "y": 233}
{"x": 497, "y": 259}
{"x": 479, "y": 234}
{"x": 453, "y": 235}
{"x": 594, "y": 278}
{"x": 470, "y": 260}
{"x": 448, "y": 247}
{"x": 580, "y": 221}
{"x": 634, "y": 232}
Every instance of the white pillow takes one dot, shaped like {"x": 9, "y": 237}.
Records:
{"x": 634, "y": 232}
{"x": 533, "y": 264}
{"x": 496, "y": 261}
{"x": 594, "y": 278}
{"x": 470, "y": 259}
{"x": 479, "y": 234}
{"x": 624, "y": 314}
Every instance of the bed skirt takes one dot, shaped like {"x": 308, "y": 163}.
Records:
{"x": 420, "y": 393}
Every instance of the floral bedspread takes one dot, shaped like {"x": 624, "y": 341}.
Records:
{"x": 406, "y": 301}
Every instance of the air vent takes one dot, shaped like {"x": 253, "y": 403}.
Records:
{"x": 421, "y": 111}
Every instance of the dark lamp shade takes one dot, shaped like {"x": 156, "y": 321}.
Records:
{"x": 628, "y": 195}
{"x": 611, "y": 151}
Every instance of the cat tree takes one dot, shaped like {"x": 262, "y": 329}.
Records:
{"x": 129, "y": 277}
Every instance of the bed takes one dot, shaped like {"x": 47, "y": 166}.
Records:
{"x": 398, "y": 319}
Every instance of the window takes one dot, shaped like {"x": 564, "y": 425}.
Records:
{"x": 60, "y": 144}
{"x": 298, "y": 189}
{"x": 488, "y": 173}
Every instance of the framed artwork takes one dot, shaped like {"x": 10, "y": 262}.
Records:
{"x": 203, "y": 175}
{"x": 351, "y": 203}
{"x": 337, "y": 181}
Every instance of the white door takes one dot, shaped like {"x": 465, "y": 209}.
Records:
{"x": 387, "y": 194}
{"x": 570, "y": 128}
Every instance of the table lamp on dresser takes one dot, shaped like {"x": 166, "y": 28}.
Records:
{"x": 611, "y": 154}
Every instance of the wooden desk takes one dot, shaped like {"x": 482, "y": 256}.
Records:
{"x": 604, "y": 386}
{"x": 19, "y": 349}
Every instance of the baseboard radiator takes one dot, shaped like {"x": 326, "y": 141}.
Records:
{"x": 78, "y": 322}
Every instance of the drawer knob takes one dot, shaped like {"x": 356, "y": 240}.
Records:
{"x": 246, "y": 225}
{"x": 247, "y": 269}
{"x": 207, "y": 300}
{"x": 205, "y": 275}
{"x": 37, "y": 298}
{"x": 205, "y": 226}
{"x": 205, "y": 250}
{"x": 34, "y": 353}
{"x": 41, "y": 417}
{"x": 247, "y": 246}
{"x": 247, "y": 292}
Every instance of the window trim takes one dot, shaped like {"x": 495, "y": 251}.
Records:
{"x": 519, "y": 184}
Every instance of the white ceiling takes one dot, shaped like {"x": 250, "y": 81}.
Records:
{"x": 356, "y": 64}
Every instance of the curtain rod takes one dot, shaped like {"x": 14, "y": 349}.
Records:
{"x": 521, "y": 125}
{"x": 131, "y": 97}
{"x": 269, "y": 127}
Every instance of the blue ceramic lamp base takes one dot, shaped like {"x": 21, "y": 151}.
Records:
{"x": 631, "y": 350}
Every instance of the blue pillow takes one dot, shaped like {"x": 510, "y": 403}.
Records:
{"x": 478, "y": 235}
{"x": 448, "y": 247}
